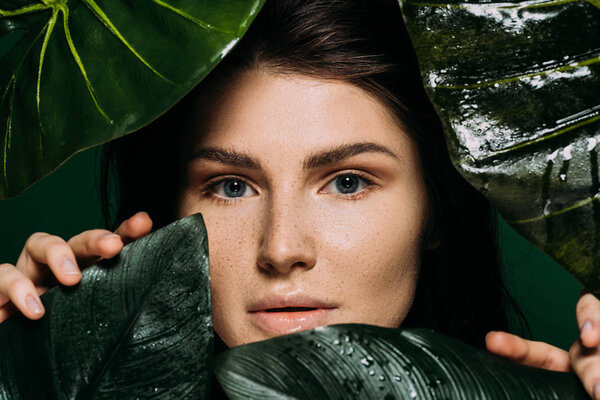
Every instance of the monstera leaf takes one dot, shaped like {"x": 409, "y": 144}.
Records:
{"x": 368, "y": 362}
{"x": 74, "y": 74}
{"x": 138, "y": 326}
{"x": 516, "y": 86}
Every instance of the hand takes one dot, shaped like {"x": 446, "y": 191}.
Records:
{"x": 47, "y": 260}
{"x": 583, "y": 358}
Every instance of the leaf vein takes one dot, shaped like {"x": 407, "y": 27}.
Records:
{"x": 569, "y": 67}
{"x": 25, "y": 10}
{"x": 79, "y": 63}
{"x": 49, "y": 28}
{"x": 99, "y": 13}
{"x": 8, "y": 129}
{"x": 579, "y": 204}
{"x": 191, "y": 18}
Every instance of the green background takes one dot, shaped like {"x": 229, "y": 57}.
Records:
{"x": 67, "y": 202}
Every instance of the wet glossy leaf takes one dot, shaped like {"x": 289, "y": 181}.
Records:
{"x": 367, "y": 362}
{"x": 83, "y": 72}
{"x": 516, "y": 86}
{"x": 138, "y": 326}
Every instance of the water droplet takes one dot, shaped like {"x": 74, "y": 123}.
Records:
{"x": 336, "y": 341}
{"x": 567, "y": 152}
{"x": 365, "y": 362}
{"x": 381, "y": 378}
{"x": 371, "y": 372}
{"x": 552, "y": 155}
{"x": 413, "y": 394}
{"x": 563, "y": 177}
{"x": 397, "y": 378}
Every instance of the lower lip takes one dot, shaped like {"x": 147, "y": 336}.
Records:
{"x": 282, "y": 323}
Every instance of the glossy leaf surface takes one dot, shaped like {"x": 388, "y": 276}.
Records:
{"x": 78, "y": 73}
{"x": 137, "y": 326}
{"x": 516, "y": 86}
{"x": 368, "y": 362}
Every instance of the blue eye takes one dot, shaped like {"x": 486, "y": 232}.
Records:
{"x": 346, "y": 184}
{"x": 232, "y": 188}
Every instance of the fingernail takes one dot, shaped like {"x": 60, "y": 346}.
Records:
{"x": 34, "y": 305}
{"x": 597, "y": 391}
{"x": 587, "y": 326}
{"x": 69, "y": 267}
{"x": 111, "y": 235}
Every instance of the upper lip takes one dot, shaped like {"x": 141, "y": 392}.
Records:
{"x": 290, "y": 300}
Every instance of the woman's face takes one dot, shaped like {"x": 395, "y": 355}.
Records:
{"x": 314, "y": 203}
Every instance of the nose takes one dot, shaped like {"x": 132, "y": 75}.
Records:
{"x": 287, "y": 240}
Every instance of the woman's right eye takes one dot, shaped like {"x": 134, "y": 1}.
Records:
{"x": 231, "y": 188}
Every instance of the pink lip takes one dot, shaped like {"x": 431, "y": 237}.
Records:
{"x": 264, "y": 313}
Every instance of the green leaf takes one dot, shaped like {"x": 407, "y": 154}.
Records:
{"x": 138, "y": 326}
{"x": 88, "y": 71}
{"x": 368, "y": 362}
{"x": 516, "y": 86}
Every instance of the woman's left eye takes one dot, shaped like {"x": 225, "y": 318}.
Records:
{"x": 346, "y": 184}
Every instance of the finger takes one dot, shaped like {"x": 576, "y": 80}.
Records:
{"x": 7, "y": 308}
{"x": 527, "y": 352}
{"x": 588, "y": 319}
{"x": 43, "y": 251}
{"x": 90, "y": 246}
{"x": 21, "y": 291}
{"x": 586, "y": 364}
{"x": 135, "y": 227}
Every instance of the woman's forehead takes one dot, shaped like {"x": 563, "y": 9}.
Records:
{"x": 259, "y": 109}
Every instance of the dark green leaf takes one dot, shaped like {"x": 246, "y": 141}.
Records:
{"x": 138, "y": 326}
{"x": 89, "y": 71}
{"x": 516, "y": 86}
{"x": 368, "y": 362}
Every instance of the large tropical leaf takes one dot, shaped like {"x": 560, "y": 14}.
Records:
{"x": 368, "y": 362}
{"x": 517, "y": 88}
{"x": 138, "y": 326}
{"x": 78, "y": 73}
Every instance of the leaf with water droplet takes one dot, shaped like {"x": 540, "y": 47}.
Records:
{"x": 118, "y": 334}
{"x": 531, "y": 72}
{"x": 409, "y": 363}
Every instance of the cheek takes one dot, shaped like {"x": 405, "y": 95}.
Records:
{"x": 231, "y": 239}
{"x": 373, "y": 253}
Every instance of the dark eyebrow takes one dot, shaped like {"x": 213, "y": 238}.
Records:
{"x": 230, "y": 157}
{"x": 344, "y": 151}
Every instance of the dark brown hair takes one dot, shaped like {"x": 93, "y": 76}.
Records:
{"x": 460, "y": 291}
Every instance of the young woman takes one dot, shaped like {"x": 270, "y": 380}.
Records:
{"x": 321, "y": 171}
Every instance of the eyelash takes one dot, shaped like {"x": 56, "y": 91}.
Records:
{"x": 369, "y": 185}
{"x": 208, "y": 192}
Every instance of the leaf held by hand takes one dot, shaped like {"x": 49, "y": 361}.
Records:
{"x": 368, "y": 362}
{"x": 137, "y": 326}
